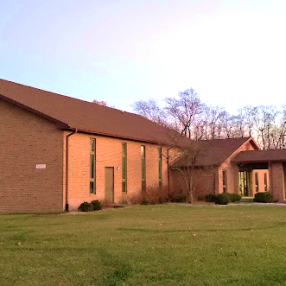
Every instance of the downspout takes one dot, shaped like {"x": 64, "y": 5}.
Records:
{"x": 168, "y": 171}
{"x": 270, "y": 177}
{"x": 67, "y": 168}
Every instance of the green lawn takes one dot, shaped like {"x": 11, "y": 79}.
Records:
{"x": 147, "y": 245}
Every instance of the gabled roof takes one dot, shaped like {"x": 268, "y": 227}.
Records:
{"x": 70, "y": 113}
{"x": 215, "y": 152}
{"x": 260, "y": 156}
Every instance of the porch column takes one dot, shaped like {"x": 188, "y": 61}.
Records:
{"x": 277, "y": 180}
{"x": 216, "y": 180}
{"x": 236, "y": 188}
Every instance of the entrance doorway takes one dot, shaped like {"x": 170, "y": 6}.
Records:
{"x": 109, "y": 184}
{"x": 245, "y": 183}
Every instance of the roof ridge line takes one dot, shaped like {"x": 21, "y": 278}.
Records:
{"x": 70, "y": 97}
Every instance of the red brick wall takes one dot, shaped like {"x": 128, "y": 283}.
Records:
{"x": 27, "y": 140}
{"x": 210, "y": 180}
{"x": 109, "y": 154}
{"x": 277, "y": 181}
{"x": 204, "y": 181}
{"x": 232, "y": 171}
{"x": 261, "y": 186}
{"x": 232, "y": 177}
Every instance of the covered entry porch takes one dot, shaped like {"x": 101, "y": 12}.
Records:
{"x": 253, "y": 178}
{"x": 262, "y": 171}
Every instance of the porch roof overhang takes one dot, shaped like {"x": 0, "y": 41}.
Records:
{"x": 260, "y": 156}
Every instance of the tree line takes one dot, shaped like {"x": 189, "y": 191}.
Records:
{"x": 197, "y": 120}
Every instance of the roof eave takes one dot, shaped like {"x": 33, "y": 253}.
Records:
{"x": 119, "y": 136}
{"x": 59, "y": 124}
{"x": 199, "y": 166}
{"x": 65, "y": 126}
{"x": 258, "y": 161}
{"x": 246, "y": 141}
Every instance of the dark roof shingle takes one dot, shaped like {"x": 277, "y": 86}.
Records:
{"x": 260, "y": 156}
{"x": 214, "y": 152}
{"x": 71, "y": 113}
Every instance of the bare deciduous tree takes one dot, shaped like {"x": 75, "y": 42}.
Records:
{"x": 150, "y": 110}
{"x": 188, "y": 115}
{"x": 184, "y": 110}
{"x": 103, "y": 103}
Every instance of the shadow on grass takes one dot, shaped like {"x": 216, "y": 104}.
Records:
{"x": 145, "y": 230}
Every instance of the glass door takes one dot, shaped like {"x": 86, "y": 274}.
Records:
{"x": 243, "y": 183}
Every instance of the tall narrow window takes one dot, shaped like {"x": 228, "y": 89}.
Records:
{"x": 92, "y": 166}
{"x": 256, "y": 182}
{"x": 224, "y": 181}
{"x": 265, "y": 182}
{"x": 160, "y": 165}
{"x": 124, "y": 167}
{"x": 143, "y": 167}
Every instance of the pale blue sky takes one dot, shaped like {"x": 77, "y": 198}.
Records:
{"x": 233, "y": 52}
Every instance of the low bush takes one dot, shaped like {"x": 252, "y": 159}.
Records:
{"x": 211, "y": 198}
{"x": 222, "y": 199}
{"x": 155, "y": 195}
{"x": 106, "y": 204}
{"x": 163, "y": 200}
{"x": 177, "y": 196}
{"x": 179, "y": 199}
{"x": 263, "y": 197}
{"x": 150, "y": 196}
{"x": 96, "y": 205}
{"x": 144, "y": 201}
{"x": 233, "y": 197}
{"x": 86, "y": 207}
{"x": 135, "y": 199}
{"x": 90, "y": 207}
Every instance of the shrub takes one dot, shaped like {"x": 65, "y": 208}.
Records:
{"x": 86, "y": 207}
{"x": 105, "y": 203}
{"x": 211, "y": 198}
{"x": 96, "y": 205}
{"x": 135, "y": 199}
{"x": 162, "y": 200}
{"x": 89, "y": 207}
{"x": 222, "y": 199}
{"x": 144, "y": 201}
{"x": 233, "y": 197}
{"x": 264, "y": 197}
{"x": 155, "y": 195}
{"x": 180, "y": 199}
{"x": 124, "y": 201}
{"x": 177, "y": 196}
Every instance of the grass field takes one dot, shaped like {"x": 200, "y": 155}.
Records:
{"x": 146, "y": 245}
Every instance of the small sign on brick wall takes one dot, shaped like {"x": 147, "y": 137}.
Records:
{"x": 41, "y": 166}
